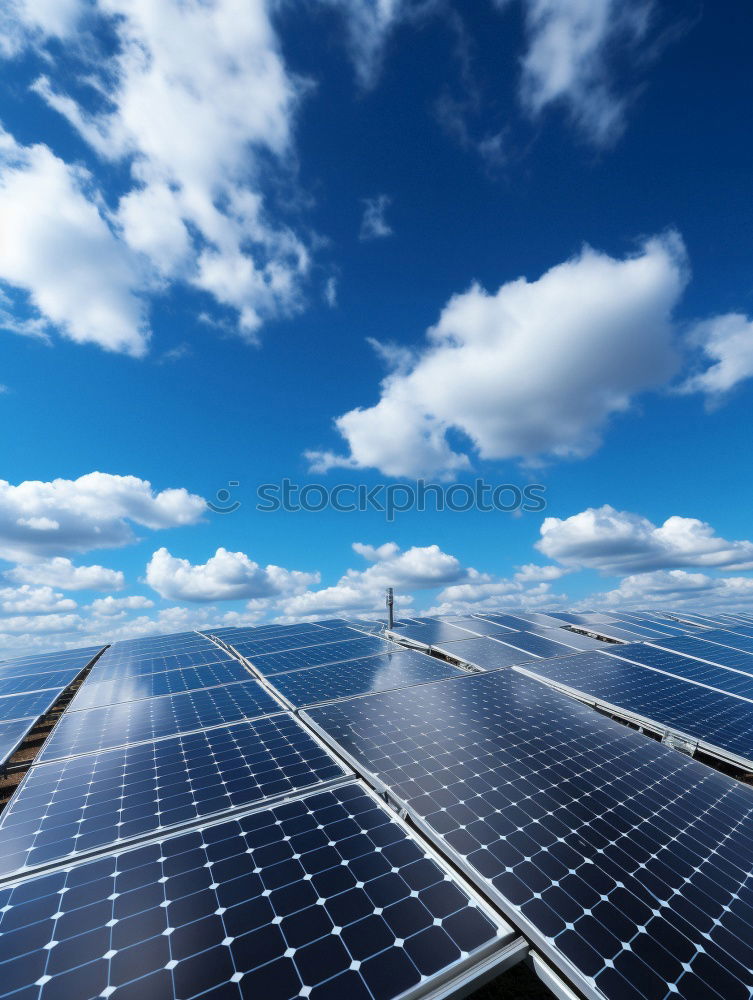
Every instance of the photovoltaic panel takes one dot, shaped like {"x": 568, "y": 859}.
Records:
{"x": 628, "y": 864}
{"x": 357, "y": 677}
{"x": 26, "y": 706}
{"x": 315, "y": 656}
{"x": 27, "y": 668}
{"x": 510, "y": 621}
{"x": 723, "y": 723}
{"x": 95, "y": 693}
{"x": 651, "y": 628}
{"x": 282, "y": 643}
{"x": 532, "y": 642}
{"x": 690, "y": 670}
{"x": 152, "y": 718}
{"x": 99, "y": 800}
{"x": 53, "y": 680}
{"x": 47, "y": 661}
{"x": 430, "y": 633}
{"x": 12, "y": 734}
{"x": 109, "y": 668}
{"x": 484, "y": 653}
{"x": 574, "y": 639}
{"x": 735, "y": 659}
{"x": 280, "y": 903}
{"x": 725, "y": 638}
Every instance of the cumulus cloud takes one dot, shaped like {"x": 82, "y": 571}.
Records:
{"x": 226, "y": 576}
{"x": 535, "y": 370}
{"x": 43, "y": 519}
{"x": 374, "y": 226}
{"x": 25, "y": 21}
{"x": 61, "y": 572}
{"x": 617, "y": 542}
{"x": 109, "y": 605}
{"x": 570, "y": 55}
{"x": 27, "y": 600}
{"x": 726, "y": 342}
{"x": 59, "y": 248}
{"x": 669, "y": 588}
{"x": 198, "y": 99}
{"x": 487, "y": 592}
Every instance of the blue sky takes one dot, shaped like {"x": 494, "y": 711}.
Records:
{"x": 364, "y": 243}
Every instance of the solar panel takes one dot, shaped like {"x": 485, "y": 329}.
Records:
{"x": 285, "y": 902}
{"x": 484, "y": 653}
{"x": 533, "y": 643}
{"x": 35, "y": 661}
{"x": 12, "y": 734}
{"x": 628, "y": 864}
{"x": 94, "y": 693}
{"x": 315, "y": 656}
{"x": 101, "y": 799}
{"x": 29, "y": 668}
{"x": 357, "y": 677}
{"x": 574, "y": 639}
{"x": 510, "y": 621}
{"x": 429, "y": 633}
{"x": 479, "y": 627}
{"x": 281, "y": 643}
{"x": 726, "y": 638}
{"x": 26, "y": 706}
{"x": 107, "y": 668}
{"x": 690, "y": 670}
{"x": 152, "y": 718}
{"x": 735, "y": 659}
{"x": 722, "y": 723}
{"x": 55, "y": 680}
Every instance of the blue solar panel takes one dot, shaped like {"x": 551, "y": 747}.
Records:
{"x": 484, "y": 653}
{"x": 94, "y": 693}
{"x": 54, "y": 680}
{"x": 108, "y": 668}
{"x": 357, "y": 677}
{"x": 285, "y": 902}
{"x": 732, "y": 639}
{"x": 690, "y": 670}
{"x": 26, "y": 706}
{"x": 720, "y": 721}
{"x": 152, "y": 718}
{"x": 534, "y": 643}
{"x": 279, "y": 644}
{"x": 430, "y": 633}
{"x": 315, "y": 656}
{"x": 12, "y": 734}
{"x": 628, "y": 864}
{"x": 100, "y": 799}
{"x": 478, "y": 626}
{"x": 26, "y": 667}
{"x": 509, "y": 621}
{"x": 736, "y": 659}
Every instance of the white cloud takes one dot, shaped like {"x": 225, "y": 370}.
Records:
{"x": 226, "y": 576}
{"x": 486, "y": 592}
{"x": 368, "y": 26}
{"x": 374, "y": 226}
{"x": 107, "y": 606}
{"x": 668, "y": 588}
{"x": 59, "y": 248}
{"x": 23, "y": 21}
{"x": 532, "y": 573}
{"x": 571, "y": 52}
{"x": 727, "y": 342}
{"x": 330, "y": 292}
{"x": 42, "y": 519}
{"x": 535, "y": 370}
{"x": 197, "y": 99}
{"x": 619, "y": 542}
{"x": 60, "y": 572}
{"x": 27, "y": 600}
{"x": 26, "y": 625}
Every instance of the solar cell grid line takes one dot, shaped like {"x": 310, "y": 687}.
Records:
{"x": 101, "y": 800}
{"x": 85, "y": 653}
{"x": 328, "y": 895}
{"x": 693, "y": 671}
{"x": 315, "y": 656}
{"x": 25, "y": 670}
{"x": 508, "y": 621}
{"x": 614, "y": 632}
{"x": 12, "y": 735}
{"x": 478, "y": 627}
{"x": 627, "y": 864}
{"x": 26, "y": 706}
{"x": 353, "y": 678}
{"x": 532, "y": 642}
{"x": 249, "y": 649}
{"x": 57, "y": 679}
{"x": 196, "y": 654}
{"x": 153, "y": 685}
{"x": 120, "y": 668}
{"x": 577, "y": 640}
{"x": 115, "y": 652}
{"x": 484, "y": 653}
{"x": 655, "y": 628}
{"x": 725, "y": 638}
{"x": 141, "y": 721}
{"x": 720, "y": 724}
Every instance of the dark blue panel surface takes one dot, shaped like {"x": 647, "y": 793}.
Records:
{"x": 356, "y": 677}
{"x": 430, "y": 633}
{"x": 478, "y": 626}
{"x": 26, "y": 706}
{"x": 630, "y": 864}
{"x": 94, "y": 801}
{"x": 688, "y": 669}
{"x": 132, "y": 688}
{"x": 119, "y": 725}
{"x": 315, "y": 656}
{"x": 55, "y": 680}
{"x": 534, "y": 643}
{"x": 733, "y": 639}
{"x": 278, "y": 644}
{"x": 28, "y": 667}
{"x": 715, "y": 718}
{"x": 11, "y": 734}
{"x": 285, "y": 902}
{"x": 736, "y": 659}
{"x": 107, "y": 668}
{"x": 484, "y": 652}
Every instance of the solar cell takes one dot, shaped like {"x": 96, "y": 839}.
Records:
{"x": 285, "y": 902}
{"x": 152, "y": 718}
{"x": 26, "y": 706}
{"x": 690, "y": 670}
{"x": 534, "y": 643}
{"x": 510, "y": 621}
{"x": 54, "y": 680}
{"x": 479, "y": 627}
{"x": 357, "y": 677}
{"x": 100, "y": 799}
{"x": 736, "y": 659}
{"x": 109, "y": 668}
{"x": 725, "y": 638}
{"x": 109, "y": 692}
{"x": 12, "y": 734}
{"x": 315, "y": 656}
{"x": 724, "y": 724}
{"x": 628, "y": 864}
{"x": 281, "y": 643}
{"x": 484, "y": 653}
{"x": 429, "y": 633}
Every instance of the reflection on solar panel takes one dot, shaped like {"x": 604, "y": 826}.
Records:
{"x": 722, "y": 723}
{"x": 510, "y": 621}
{"x": 108, "y": 668}
{"x": 690, "y": 670}
{"x": 56, "y": 679}
{"x": 315, "y": 656}
{"x": 12, "y": 735}
{"x": 478, "y": 626}
{"x": 725, "y": 638}
{"x": 357, "y": 677}
{"x": 736, "y": 659}
{"x": 135, "y": 722}
{"x": 430, "y": 633}
{"x": 95, "y": 693}
{"x": 265, "y": 906}
{"x": 281, "y": 643}
{"x": 574, "y": 639}
{"x": 94, "y": 801}
{"x": 26, "y": 706}
{"x": 485, "y": 653}
{"x": 537, "y": 644}
{"x": 629, "y": 864}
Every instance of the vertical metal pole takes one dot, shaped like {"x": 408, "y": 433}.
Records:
{"x": 390, "y": 606}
